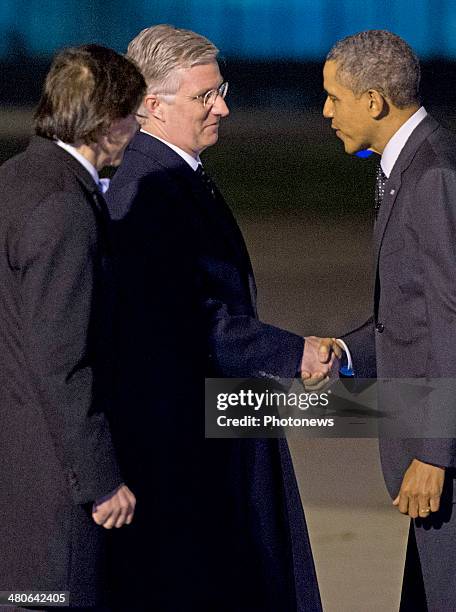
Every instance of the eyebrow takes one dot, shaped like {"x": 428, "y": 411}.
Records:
{"x": 204, "y": 91}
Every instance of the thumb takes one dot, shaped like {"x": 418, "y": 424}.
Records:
{"x": 324, "y": 350}
{"x": 396, "y": 501}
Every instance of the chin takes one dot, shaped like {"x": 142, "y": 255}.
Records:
{"x": 213, "y": 139}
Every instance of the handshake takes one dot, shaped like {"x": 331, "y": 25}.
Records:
{"x": 320, "y": 356}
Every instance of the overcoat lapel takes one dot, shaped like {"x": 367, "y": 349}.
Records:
{"x": 214, "y": 209}
{"x": 220, "y": 214}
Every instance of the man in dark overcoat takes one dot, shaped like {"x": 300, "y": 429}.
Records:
{"x": 60, "y": 480}
{"x": 223, "y": 527}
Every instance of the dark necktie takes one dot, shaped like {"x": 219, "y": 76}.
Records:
{"x": 206, "y": 180}
{"x": 380, "y": 181}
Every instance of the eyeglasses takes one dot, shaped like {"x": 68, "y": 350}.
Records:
{"x": 211, "y": 96}
{"x": 208, "y": 99}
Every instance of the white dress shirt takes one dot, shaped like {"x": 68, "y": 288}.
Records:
{"x": 103, "y": 184}
{"x": 191, "y": 161}
{"x": 397, "y": 142}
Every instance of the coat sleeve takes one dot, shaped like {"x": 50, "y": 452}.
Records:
{"x": 58, "y": 266}
{"x": 361, "y": 344}
{"x": 208, "y": 286}
{"x": 240, "y": 345}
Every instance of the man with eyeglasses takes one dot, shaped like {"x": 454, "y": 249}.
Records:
{"x": 221, "y": 525}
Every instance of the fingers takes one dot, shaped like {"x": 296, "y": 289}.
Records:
{"x": 336, "y": 348}
{"x": 417, "y": 506}
{"x": 324, "y": 350}
{"x": 328, "y": 347}
{"x": 424, "y": 506}
{"x": 403, "y": 504}
{"x": 99, "y": 516}
{"x": 434, "y": 503}
{"x": 127, "y": 508}
{"x": 314, "y": 377}
{"x": 318, "y": 376}
{"x": 413, "y": 507}
{"x": 117, "y": 511}
{"x": 315, "y": 384}
{"x": 111, "y": 520}
{"x": 132, "y": 506}
{"x": 421, "y": 489}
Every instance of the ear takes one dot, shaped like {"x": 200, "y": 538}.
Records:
{"x": 376, "y": 103}
{"x": 154, "y": 106}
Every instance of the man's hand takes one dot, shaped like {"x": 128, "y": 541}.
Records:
{"x": 421, "y": 489}
{"x": 318, "y": 359}
{"x": 115, "y": 509}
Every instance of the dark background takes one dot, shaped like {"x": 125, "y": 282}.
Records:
{"x": 305, "y": 207}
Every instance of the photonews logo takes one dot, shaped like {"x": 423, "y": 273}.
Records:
{"x": 265, "y": 409}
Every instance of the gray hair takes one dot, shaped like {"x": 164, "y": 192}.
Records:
{"x": 380, "y": 60}
{"x": 162, "y": 51}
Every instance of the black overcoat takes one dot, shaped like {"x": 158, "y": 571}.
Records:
{"x": 220, "y": 524}
{"x": 56, "y": 453}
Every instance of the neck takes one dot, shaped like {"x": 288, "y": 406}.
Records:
{"x": 92, "y": 153}
{"x": 390, "y": 124}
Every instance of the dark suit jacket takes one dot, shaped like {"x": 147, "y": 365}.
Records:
{"x": 56, "y": 451}
{"x": 413, "y": 333}
{"x": 228, "y": 510}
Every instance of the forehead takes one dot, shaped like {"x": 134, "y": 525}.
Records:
{"x": 330, "y": 82}
{"x": 200, "y": 78}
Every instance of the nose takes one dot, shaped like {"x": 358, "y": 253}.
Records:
{"x": 328, "y": 108}
{"x": 220, "y": 107}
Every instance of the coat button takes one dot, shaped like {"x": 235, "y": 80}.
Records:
{"x": 379, "y": 327}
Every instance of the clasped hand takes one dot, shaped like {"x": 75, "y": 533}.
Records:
{"x": 319, "y": 356}
{"x": 115, "y": 509}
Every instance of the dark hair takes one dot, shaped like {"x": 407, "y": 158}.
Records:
{"x": 381, "y": 60}
{"x": 86, "y": 89}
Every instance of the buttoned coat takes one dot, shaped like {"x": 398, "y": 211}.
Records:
{"x": 221, "y": 518}
{"x": 55, "y": 300}
{"x": 412, "y": 333}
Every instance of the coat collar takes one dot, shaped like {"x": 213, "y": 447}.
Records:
{"x": 393, "y": 184}
{"x": 49, "y": 149}
{"x": 160, "y": 152}
{"x": 217, "y": 211}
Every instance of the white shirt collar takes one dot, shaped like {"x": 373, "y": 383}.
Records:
{"x": 81, "y": 159}
{"x": 397, "y": 142}
{"x": 191, "y": 161}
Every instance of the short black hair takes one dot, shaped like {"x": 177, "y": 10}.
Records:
{"x": 380, "y": 60}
